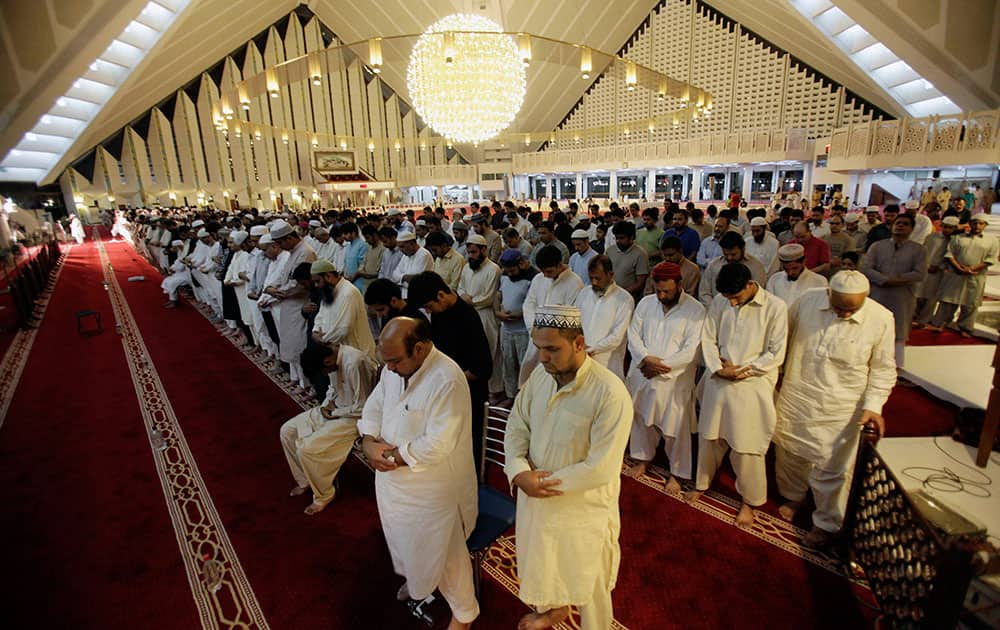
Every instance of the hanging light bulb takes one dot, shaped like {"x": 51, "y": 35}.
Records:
{"x": 626, "y": 131}
{"x": 448, "y": 143}
{"x": 630, "y": 76}
{"x": 271, "y": 78}
{"x": 524, "y": 47}
{"x": 244, "y": 98}
{"x": 586, "y": 63}
{"x": 651, "y": 127}
{"x": 375, "y": 54}
{"x": 315, "y": 71}
{"x": 238, "y": 131}
{"x": 527, "y": 140}
{"x": 449, "y": 47}
{"x": 284, "y": 138}
{"x": 256, "y": 135}
{"x": 315, "y": 142}
{"x": 397, "y": 145}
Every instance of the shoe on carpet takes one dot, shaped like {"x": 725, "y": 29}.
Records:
{"x": 818, "y": 539}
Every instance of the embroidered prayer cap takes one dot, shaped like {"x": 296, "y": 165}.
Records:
{"x": 405, "y": 236}
{"x": 849, "y": 282}
{"x": 790, "y": 252}
{"x": 982, "y": 217}
{"x": 666, "y": 271}
{"x": 281, "y": 229}
{"x": 393, "y": 212}
{"x": 314, "y": 223}
{"x": 912, "y": 204}
{"x": 950, "y": 220}
{"x": 758, "y": 222}
{"x": 477, "y": 239}
{"x": 510, "y": 257}
{"x": 477, "y": 218}
{"x": 176, "y": 243}
{"x": 265, "y": 239}
{"x": 198, "y": 223}
{"x": 202, "y": 233}
{"x": 459, "y": 225}
{"x": 559, "y": 316}
{"x": 853, "y": 217}
{"x": 321, "y": 265}
{"x": 258, "y": 230}
{"x": 871, "y": 209}
{"x": 239, "y": 236}
{"x": 580, "y": 234}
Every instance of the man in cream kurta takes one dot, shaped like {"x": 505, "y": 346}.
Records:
{"x": 664, "y": 339}
{"x": 478, "y": 285}
{"x": 344, "y": 319}
{"x": 564, "y": 444}
{"x": 556, "y": 284}
{"x": 607, "y": 311}
{"x": 317, "y": 441}
{"x": 417, "y": 435}
{"x": 839, "y": 373}
{"x": 743, "y": 345}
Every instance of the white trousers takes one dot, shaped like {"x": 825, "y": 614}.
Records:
{"x": 830, "y": 488}
{"x": 173, "y": 282}
{"x": 751, "y": 476}
{"x": 456, "y": 585}
{"x": 316, "y": 448}
{"x": 642, "y": 443}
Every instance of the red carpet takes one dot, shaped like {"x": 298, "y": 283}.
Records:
{"x": 921, "y": 337}
{"x": 98, "y": 540}
{"x": 88, "y": 542}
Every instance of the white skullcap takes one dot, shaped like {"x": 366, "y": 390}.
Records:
{"x": 393, "y": 212}
{"x": 758, "y": 221}
{"x": 248, "y": 217}
{"x": 951, "y": 220}
{"x": 477, "y": 239}
{"x": 314, "y": 223}
{"x": 321, "y": 265}
{"x": 258, "y": 230}
{"x": 281, "y": 229}
{"x": 405, "y": 236}
{"x": 982, "y": 217}
{"x": 267, "y": 215}
{"x": 558, "y": 316}
{"x": 202, "y": 233}
{"x": 176, "y": 243}
{"x": 265, "y": 239}
{"x": 198, "y": 223}
{"x": 912, "y": 204}
{"x": 849, "y": 282}
{"x": 421, "y": 223}
{"x": 580, "y": 234}
{"x": 871, "y": 209}
{"x": 790, "y": 252}
{"x": 239, "y": 236}
{"x": 853, "y": 217}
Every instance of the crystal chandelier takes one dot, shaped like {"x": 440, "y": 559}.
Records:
{"x": 466, "y": 83}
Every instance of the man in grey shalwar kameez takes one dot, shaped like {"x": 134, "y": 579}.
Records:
{"x": 937, "y": 246}
{"x": 964, "y": 281}
{"x": 895, "y": 266}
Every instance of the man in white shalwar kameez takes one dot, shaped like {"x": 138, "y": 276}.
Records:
{"x": 839, "y": 373}
{"x": 556, "y": 284}
{"x": 607, "y": 311}
{"x": 477, "y": 285}
{"x": 324, "y": 245}
{"x": 564, "y": 444}
{"x": 76, "y": 229}
{"x": 179, "y": 275}
{"x": 743, "y": 346}
{"x": 269, "y": 259}
{"x": 317, "y": 441}
{"x": 203, "y": 271}
{"x": 794, "y": 279}
{"x": 415, "y": 260}
{"x": 417, "y": 435}
{"x": 344, "y": 319}
{"x": 664, "y": 339}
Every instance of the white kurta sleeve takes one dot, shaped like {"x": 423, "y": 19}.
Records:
{"x": 881, "y": 369}
{"x": 371, "y": 414}
{"x": 484, "y": 292}
{"x": 619, "y": 329}
{"x": 608, "y": 437}
{"x": 776, "y": 338}
{"x": 687, "y": 352}
{"x": 710, "y": 338}
{"x": 445, "y": 417}
{"x": 531, "y": 304}
{"x": 357, "y": 384}
{"x": 636, "y": 345}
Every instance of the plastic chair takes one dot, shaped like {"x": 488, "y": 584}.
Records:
{"x": 497, "y": 509}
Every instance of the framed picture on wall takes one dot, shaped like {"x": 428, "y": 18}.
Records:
{"x": 334, "y": 161}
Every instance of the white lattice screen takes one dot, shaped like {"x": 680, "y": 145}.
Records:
{"x": 754, "y": 86}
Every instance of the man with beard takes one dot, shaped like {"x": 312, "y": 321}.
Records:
{"x": 763, "y": 245}
{"x": 481, "y": 225}
{"x": 324, "y": 245}
{"x": 966, "y": 262}
{"x": 447, "y": 262}
{"x": 415, "y": 260}
{"x": 478, "y": 288}
{"x": 671, "y": 250}
{"x": 937, "y": 247}
{"x": 689, "y": 237}
{"x": 710, "y": 249}
{"x": 547, "y": 236}
{"x": 457, "y": 331}
{"x": 579, "y": 262}
{"x": 794, "y": 279}
{"x": 895, "y": 267}
{"x": 882, "y": 231}
{"x": 664, "y": 339}
{"x": 733, "y": 251}
{"x": 461, "y": 233}
{"x": 385, "y": 301}
{"x": 606, "y": 309}
{"x": 342, "y": 317}
{"x": 514, "y": 285}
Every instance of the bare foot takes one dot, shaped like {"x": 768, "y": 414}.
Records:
{"x": 788, "y": 510}
{"x": 298, "y": 491}
{"x": 540, "y": 621}
{"x": 746, "y": 516}
{"x": 637, "y": 470}
{"x": 458, "y": 625}
{"x": 693, "y": 495}
{"x": 314, "y": 508}
{"x": 673, "y": 486}
{"x": 403, "y": 593}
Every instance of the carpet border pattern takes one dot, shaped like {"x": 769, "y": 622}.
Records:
{"x": 16, "y": 357}
{"x": 219, "y": 585}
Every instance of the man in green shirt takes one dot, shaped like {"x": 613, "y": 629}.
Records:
{"x": 648, "y": 235}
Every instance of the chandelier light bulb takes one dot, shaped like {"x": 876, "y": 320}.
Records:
{"x": 453, "y": 64}
{"x": 524, "y": 48}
